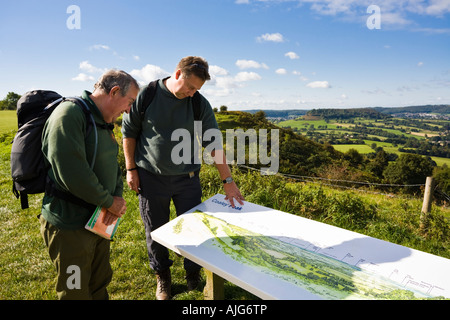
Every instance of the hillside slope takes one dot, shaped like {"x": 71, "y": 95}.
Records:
{"x": 297, "y": 154}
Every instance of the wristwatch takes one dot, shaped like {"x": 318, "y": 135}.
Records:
{"x": 228, "y": 180}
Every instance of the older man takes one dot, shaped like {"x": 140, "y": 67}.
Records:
{"x": 80, "y": 256}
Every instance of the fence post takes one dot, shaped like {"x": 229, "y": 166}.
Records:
{"x": 426, "y": 207}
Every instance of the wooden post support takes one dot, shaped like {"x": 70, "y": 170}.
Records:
{"x": 214, "y": 289}
{"x": 426, "y": 207}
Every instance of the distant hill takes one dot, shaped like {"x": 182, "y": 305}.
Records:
{"x": 298, "y": 155}
{"x": 301, "y": 156}
{"x": 343, "y": 114}
{"x": 440, "y": 109}
{"x": 371, "y": 112}
{"x": 281, "y": 113}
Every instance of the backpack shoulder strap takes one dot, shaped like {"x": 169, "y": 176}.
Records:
{"x": 150, "y": 94}
{"x": 90, "y": 123}
{"x": 196, "y": 102}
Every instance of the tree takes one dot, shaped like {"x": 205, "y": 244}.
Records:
{"x": 354, "y": 157}
{"x": 408, "y": 169}
{"x": 260, "y": 116}
{"x": 10, "y": 102}
{"x": 442, "y": 176}
{"x": 379, "y": 163}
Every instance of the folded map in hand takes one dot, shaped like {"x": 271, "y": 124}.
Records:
{"x": 97, "y": 226}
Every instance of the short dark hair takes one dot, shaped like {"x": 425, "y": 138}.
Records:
{"x": 194, "y": 65}
{"x": 113, "y": 78}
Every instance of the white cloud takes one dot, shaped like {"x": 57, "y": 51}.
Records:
{"x": 420, "y": 64}
{"x": 395, "y": 13}
{"x": 247, "y": 64}
{"x": 137, "y": 58}
{"x": 87, "y": 67}
{"x": 438, "y": 7}
{"x": 220, "y": 86}
{"x": 217, "y": 71}
{"x": 83, "y": 78}
{"x": 292, "y": 55}
{"x": 148, "y": 73}
{"x": 394, "y": 18}
{"x": 433, "y": 30}
{"x": 376, "y": 91}
{"x": 281, "y": 71}
{"x": 226, "y": 85}
{"x": 272, "y": 37}
{"x": 99, "y": 47}
{"x": 318, "y": 84}
{"x": 247, "y": 76}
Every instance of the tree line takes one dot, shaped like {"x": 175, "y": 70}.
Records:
{"x": 302, "y": 156}
{"x": 10, "y": 102}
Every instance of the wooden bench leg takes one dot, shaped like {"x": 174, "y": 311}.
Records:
{"x": 214, "y": 289}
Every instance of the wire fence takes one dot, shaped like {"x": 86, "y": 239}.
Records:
{"x": 333, "y": 183}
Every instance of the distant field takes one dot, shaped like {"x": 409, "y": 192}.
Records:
{"x": 363, "y": 148}
{"x": 340, "y": 127}
{"x": 302, "y": 124}
{"x": 333, "y": 127}
{"x": 8, "y": 120}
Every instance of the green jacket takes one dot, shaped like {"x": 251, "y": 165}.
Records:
{"x": 153, "y": 130}
{"x": 69, "y": 153}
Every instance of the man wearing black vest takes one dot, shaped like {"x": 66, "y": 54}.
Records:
{"x": 151, "y": 171}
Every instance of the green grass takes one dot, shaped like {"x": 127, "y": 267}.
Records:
{"x": 365, "y": 148}
{"x": 361, "y": 148}
{"x": 27, "y": 273}
{"x": 8, "y": 120}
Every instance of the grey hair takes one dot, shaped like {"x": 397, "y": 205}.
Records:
{"x": 113, "y": 78}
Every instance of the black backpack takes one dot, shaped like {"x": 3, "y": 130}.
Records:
{"x": 28, "y": 169}
{"x": 150, "y": 93}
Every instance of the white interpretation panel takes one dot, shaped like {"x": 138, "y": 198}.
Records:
{"x": 276, "y": 255}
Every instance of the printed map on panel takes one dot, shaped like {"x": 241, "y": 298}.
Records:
{"x": 276, "y": 255}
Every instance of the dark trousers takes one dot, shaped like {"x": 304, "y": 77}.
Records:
{"x": 82, "y": 262}
{"x": 155, "y": 196}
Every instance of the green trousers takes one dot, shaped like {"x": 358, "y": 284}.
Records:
{"x": 82, "y": 262}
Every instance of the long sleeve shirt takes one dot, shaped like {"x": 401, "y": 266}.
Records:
{"x": 153, "y": 130}
{"x": 69, "y": 153}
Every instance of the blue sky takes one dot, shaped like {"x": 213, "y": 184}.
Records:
{"x": 263, "y": 54}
